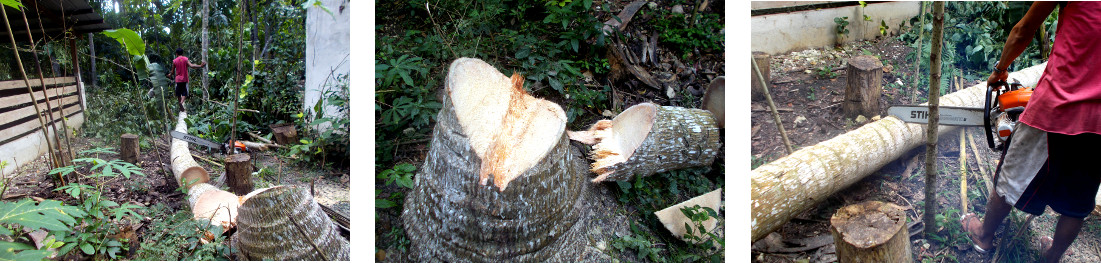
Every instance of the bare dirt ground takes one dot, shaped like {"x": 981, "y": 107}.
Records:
{"x": 811, "y": 113}
{"x": 155, "y": 187}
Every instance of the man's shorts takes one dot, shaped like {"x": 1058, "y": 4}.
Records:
{"x": 181, "y": 89}
{"x": 1043, "y": 169}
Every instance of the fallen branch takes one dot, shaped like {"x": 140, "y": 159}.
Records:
{"x": 772, "y": 105}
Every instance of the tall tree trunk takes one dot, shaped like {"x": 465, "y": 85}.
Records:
{"x": 206, "y": 48}
{"x": 790, "y": 185}
{"x": 92, "y": 58}
{"x": 255, "y": 31}
{"x": 934, "y": 119}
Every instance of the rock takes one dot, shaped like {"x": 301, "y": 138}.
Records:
{"x": 652, "y": 5}
{"x": 800, "y": 119}
{"x": 601, "y": 245}
{"x": 876, "y": 118}
{"x": 607, "y": 113}
{"x": 669, "y": 92}
{"x": 861, "y": 119}
{"x": 678, "y": 9}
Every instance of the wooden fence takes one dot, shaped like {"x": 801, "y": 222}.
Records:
{"x": 21, "y": 138}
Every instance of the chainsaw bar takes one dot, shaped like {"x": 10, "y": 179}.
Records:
{"x": 949, "y": 115}
{"x": 196, "y": 140}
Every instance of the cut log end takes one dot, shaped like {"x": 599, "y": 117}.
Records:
{"x": 508, "y": 129}
{"x": 192, "y": 176}
{"x": 618, "y": 138}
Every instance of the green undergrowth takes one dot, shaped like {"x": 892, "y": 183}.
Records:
{"x": 649, "y": 240}
{"x": 176, "y": 236}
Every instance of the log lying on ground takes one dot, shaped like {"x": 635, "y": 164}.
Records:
{"x": 674, "y": 219}
{"x": 207, "y": 202}
{"x": 646, "y": 139}
{"x": 285, "y": 223}
{"x": 488, "y": 129}
{"x": 790, "y": 185}
{"x": 184, "y": 166}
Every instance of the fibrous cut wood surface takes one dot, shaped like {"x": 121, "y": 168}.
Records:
{"x": 451, "y": 216}
{"x": 788, "y": 186}
{"x": 646, "y": 139}
{"x": 286, "y": 223}
{"x": 872, "y": 231}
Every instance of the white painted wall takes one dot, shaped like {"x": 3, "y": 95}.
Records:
{"x": 327, "y": 51}
{"x": 787, "y": 32}
{"x": 29, "y": 148}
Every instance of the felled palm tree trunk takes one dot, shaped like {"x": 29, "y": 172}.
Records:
{"x": 285, "y": 223}
{"x": 647, "y": 139}
{"x": 501, "y": 181}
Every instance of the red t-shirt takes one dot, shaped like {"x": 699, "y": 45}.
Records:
{"x": 181, "y": 63}
{"x": 1067, "y": 100}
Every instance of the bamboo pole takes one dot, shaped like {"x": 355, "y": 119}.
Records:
{"x": 963, "y": 171}
{"x": 792, "y": 184}
{"x": 934, "y": 119}
{"x": 771, "y": 105}
{"x": 37, "y": 110}
{"x": 49, "y": 106}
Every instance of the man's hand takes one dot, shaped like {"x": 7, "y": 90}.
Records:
{"x": 997, "y": 76}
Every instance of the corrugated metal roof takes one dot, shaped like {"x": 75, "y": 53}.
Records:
{"x": 56, "y": 17}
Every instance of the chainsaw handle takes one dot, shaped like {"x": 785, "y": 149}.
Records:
{"x": 991, "y": 88}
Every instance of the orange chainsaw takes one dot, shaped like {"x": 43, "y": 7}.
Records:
{"x": 1003, "y": 104}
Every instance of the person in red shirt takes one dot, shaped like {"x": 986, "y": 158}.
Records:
{"x": 1048, "y": 162}
{"x": 181, "y": 63}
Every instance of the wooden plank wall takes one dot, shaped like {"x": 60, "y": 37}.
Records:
{"x": 17, "y": 113}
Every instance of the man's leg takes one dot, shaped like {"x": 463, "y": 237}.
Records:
{"x": 996, "y": 211}
{"x": 1065, "y": 231}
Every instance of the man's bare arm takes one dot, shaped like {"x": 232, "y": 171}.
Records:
{"x": 196, "y": 65}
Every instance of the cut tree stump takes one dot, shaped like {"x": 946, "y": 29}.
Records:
{"x": 865, "y": 83}
{"x": 129, "y": 148}
{"x": 646, "y": 139}
{"x": 757, "y": 92}
{"x": 501, "y": 182}
{"x": 239, "y": 173}
{"x": 285, "y": 133}
{"x": 286, "y": 223}
{"x": 872, "y": 231}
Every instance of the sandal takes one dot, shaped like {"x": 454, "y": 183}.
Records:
{"x": 1045, "y": 245}
{"x": 967, "y": 222}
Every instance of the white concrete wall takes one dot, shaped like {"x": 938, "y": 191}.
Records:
{"x": 328, "y": 50}
{"x": 787, "y": 32}
{"x": 29, "y": 148}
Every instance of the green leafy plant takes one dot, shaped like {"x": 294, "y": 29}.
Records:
{"x": 842, "y": 25}
{"x": 402, "y": 176}
{"x": 177, "y": 237}
{"x": 51, "y": 215}
{"x": 641, "y": 243}
{"x": 699, "y": 236}
{"x": 826, "y": 72}
{"x": 95, "y": 236}
{"x": 883, "y": 28}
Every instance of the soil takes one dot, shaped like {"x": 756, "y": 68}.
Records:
{"x": 154, "y": 187}
{"x": 809, "y": 108}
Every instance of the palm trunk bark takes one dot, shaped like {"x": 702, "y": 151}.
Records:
{"x": 206, "y": 48}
